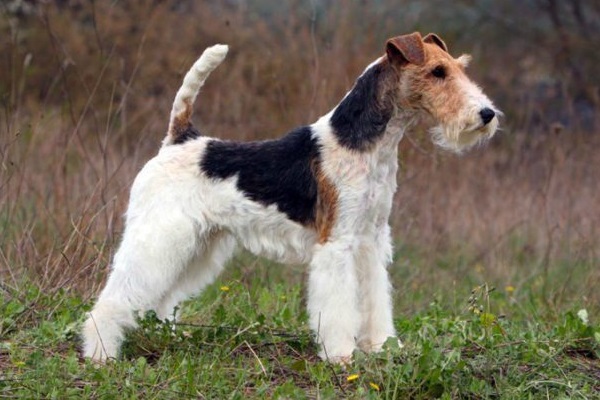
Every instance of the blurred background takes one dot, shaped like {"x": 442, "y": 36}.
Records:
{"x": 86, "y": 89}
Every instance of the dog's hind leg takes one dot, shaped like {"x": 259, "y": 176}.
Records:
{"x": 201, "y": 272}
{"x": 157, "y": 246}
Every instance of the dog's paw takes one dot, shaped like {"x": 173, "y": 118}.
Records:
{"x": 342, "y": 361}
{"x": 384, "y": 342}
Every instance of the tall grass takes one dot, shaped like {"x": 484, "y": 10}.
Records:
{"x": 86, "y": 92}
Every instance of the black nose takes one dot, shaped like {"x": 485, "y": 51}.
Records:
{"x": 487, "y": 114}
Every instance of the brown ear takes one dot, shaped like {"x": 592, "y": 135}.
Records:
{"x": 435, "y": 39}
{"x": 406, "y": 48}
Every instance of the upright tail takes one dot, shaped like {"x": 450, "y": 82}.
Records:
{"x": 180, "y": 125}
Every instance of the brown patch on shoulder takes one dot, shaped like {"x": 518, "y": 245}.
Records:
{"x": 327, "y": 204}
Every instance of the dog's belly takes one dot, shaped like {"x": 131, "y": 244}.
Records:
{"x": 277, "y": 238}
{"x": 261, "y": 229}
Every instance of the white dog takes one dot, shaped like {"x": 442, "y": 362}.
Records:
{"x": 320, "y": 195}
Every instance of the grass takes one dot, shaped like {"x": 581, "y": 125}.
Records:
{"x": 246, "y": 336}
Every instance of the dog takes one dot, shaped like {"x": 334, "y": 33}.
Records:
{"x": 320, "y": 195}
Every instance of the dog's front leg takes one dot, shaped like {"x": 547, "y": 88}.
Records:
{"x": 332, "y": 299}
{"x": 375, "y": 302}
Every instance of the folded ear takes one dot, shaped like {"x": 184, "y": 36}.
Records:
{"x": 435, "y": 39}
{"x": 406, "y": 49}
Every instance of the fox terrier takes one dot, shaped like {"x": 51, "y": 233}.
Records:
{"x": 320, "y": 195}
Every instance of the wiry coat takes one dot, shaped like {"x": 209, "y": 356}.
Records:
{"x": 321, "y": 195}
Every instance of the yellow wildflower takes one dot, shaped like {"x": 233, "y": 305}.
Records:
{"x": 352, "y": 377}
{"x": 374, "y": 386}
{"x": 224, "y": 288}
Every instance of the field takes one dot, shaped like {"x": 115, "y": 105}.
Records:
{"x": 247, "y": 337}
{"x": 496, "y": 268}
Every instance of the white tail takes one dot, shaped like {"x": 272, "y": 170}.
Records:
{"x": 180, "y": 123}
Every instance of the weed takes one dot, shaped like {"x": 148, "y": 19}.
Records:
{"x": 246, "y": 345}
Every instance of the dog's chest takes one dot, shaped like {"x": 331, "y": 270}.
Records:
{"x": 366, "y": 183}
{"x": 380, "y": 186}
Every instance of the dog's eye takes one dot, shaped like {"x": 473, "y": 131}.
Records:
{"x": 439, "y": 72}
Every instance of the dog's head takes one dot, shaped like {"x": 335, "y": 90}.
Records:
{"x": 433, "y": 83}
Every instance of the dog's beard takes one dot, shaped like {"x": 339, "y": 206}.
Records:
{"x": 458, "y": 138}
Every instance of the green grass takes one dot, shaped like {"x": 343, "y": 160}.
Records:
{"x": 247, "y": 337}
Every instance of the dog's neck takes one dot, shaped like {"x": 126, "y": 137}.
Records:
{"x": 368, "y": 118}
{"x": 361, "y": 118}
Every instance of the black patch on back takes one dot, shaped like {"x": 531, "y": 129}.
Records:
{"x": 360, "y": 119}
{"x": 270, "y": 172}
{"x": 185, "y": 134}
